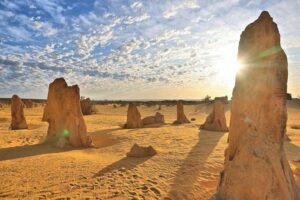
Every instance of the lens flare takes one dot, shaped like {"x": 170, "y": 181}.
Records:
{"x": 269, "y": 51}
{"x": 66, "y": 133}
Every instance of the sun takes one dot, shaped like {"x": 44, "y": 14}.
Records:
{"x": 227, "y": 66}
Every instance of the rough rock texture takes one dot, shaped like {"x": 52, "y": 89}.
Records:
{"x": 140, "y": 151}
{"x": 156, "y": 119}
{"x": 18, "y": 120}
{"x": 63, "y": 113}
{"x": 255, "y": 162}
{"x": 133, "y": 117}
{"x": 216, "y": 120}
{"x": 86, "y": 106}
{"x": 181, "y": 118}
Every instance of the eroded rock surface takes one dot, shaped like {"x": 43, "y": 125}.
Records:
{"x": 255, "y": 165}
{"x": 158, "y": 118}
{"x": 181, "y": 118}
{"x": 133, "y": 117}
{"x": 86, "y": 106}
{"x": 140, "y": 151}
{"x": 216, "y": 120}
{"x": 63, "y": 113}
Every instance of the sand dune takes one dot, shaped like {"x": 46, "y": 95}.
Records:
{"x": 187, "y": 165}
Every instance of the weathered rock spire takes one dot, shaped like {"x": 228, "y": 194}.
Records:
{"x": 255, "y": 162}
{"x": 18, "y": 120}
{"x": 63, "y": 113}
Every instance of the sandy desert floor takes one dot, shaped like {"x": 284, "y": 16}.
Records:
{"x": 187, "y": 165}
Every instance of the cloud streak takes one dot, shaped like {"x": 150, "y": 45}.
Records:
{"x": 133, "y": 49}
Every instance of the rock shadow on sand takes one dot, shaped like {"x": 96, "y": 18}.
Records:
{"x": 103, "y": 138}
{"x": 125, "y": 164}
{"x": 292, "y": 149}
{"x": 11, "y": 153}
{"x": 192, "y": 166}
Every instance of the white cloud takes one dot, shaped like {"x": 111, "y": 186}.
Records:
{"x": 136, "y": 19}
{"x": 110, "y": 50}
{"x": 137, "y": 4}
{"x": 173, "y": 10}
{"x": 45, "y": 28}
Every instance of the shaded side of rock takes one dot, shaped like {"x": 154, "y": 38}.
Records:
{"x": 140, "y": 151}
{"x": 86, "y": 106}
{"x": 289, "y": 96}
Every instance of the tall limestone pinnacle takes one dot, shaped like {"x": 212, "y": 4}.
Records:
{"x": 255, "y": 164}
{"x": 63, "y": 113}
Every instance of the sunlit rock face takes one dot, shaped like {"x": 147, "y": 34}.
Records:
{"x": 181, "y": 118}
{"x": 255, "y": 162}
{"x": 18, "y": 120}
{"x": 133, "y": 117}
{"x": 63, "y": 113}
{"x": 216, "y": 120}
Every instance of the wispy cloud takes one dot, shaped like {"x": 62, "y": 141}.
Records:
{"x": 133, "y": 49}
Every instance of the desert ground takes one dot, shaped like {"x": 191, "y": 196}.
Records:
{"x": 187, "y": 165}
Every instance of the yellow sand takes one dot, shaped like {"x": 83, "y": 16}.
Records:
{"x": 187, "y": 165}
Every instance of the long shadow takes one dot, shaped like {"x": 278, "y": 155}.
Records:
{"x": 292, "y": 150}
{"x": 192, "y": 166}
{"x": 28, "y": 150}
{"x": 101, "y": 138}
{"x": 105, "y": 131}
{"x": 125, "y": 163}
{"x": 158, "y": 125}
{"x": 2, "y": 119}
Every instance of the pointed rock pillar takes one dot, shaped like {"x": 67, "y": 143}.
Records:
{"x": 255, "y": 165}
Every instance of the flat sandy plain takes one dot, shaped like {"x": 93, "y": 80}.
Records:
{"x": 187, "y": 165}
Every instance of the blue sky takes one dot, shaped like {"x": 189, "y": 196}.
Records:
{"x": 136, "y": 49}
